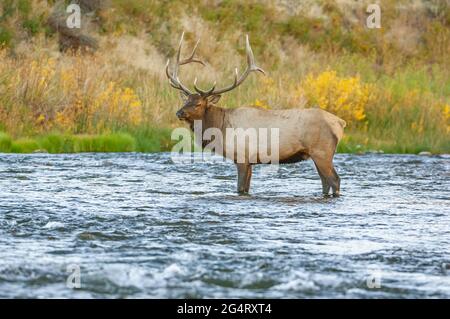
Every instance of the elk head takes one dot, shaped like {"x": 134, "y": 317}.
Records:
{"x": 196, "y": 103}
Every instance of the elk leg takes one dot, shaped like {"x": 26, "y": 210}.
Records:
{"x": 325, "y": 186}
{"x": 337, "y": 188}
{"x": 248, "y": 179}
{"x": 243, "y": 178}
{"x": 328, "y": 175}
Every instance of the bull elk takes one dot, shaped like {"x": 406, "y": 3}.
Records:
{"x": 303, "y": 133}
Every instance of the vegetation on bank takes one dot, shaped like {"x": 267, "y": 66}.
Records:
{"x": 391, "y": 85}
{"x": 154, "y": 140}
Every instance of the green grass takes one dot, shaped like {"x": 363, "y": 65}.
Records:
{"x": 357, "y": 142}
{"x": 145, "y": 140}
{"x": 118, "y": 142}
{"x": 150, "y": 140}
{"x": 6, "y": 36}
{"x": 5, "y": 143}
{"x": 24, "y": 145}
{"x": 158, "y": 140}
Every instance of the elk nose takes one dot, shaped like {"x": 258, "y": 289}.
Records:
{"x": 180, "y": 114}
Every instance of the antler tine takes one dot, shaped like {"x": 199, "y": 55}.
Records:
{"x": 174, "y": 81}
{"x": 202, "y": 92}
{"x": 177, "y": 64}
{"x": 236, "y": 74}
{"x": 171, "y": 79}
{"x": 251, "y": 57}
{"x": 191, "y": 58}
{"x": 251, "y": 67}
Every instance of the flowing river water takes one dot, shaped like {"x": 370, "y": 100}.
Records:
{"x": 139, "y": 225}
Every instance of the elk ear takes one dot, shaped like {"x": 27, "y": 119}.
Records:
{"x": 213, "y": 99}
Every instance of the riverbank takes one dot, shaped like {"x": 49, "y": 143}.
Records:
{"x": 149, "y": 141}
{"x": 159, "y": 140}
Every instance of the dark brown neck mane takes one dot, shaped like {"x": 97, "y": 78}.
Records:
{"x": 214, "y": 117}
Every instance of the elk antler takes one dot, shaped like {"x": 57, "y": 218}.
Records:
{"x": 251, "y": 67}
{"x": 174, "y": 81}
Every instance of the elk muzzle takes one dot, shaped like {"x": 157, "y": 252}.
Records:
{"x": 181, "y": 115}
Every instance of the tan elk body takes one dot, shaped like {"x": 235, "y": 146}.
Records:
{"x": 303, "y": 133}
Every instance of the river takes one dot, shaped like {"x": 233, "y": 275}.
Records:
{"x": 130, "y": 225}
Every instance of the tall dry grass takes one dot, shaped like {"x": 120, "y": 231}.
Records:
{"x": 392, "y": 89}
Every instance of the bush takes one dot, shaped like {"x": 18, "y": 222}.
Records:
{"x": 345, "y": 97}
